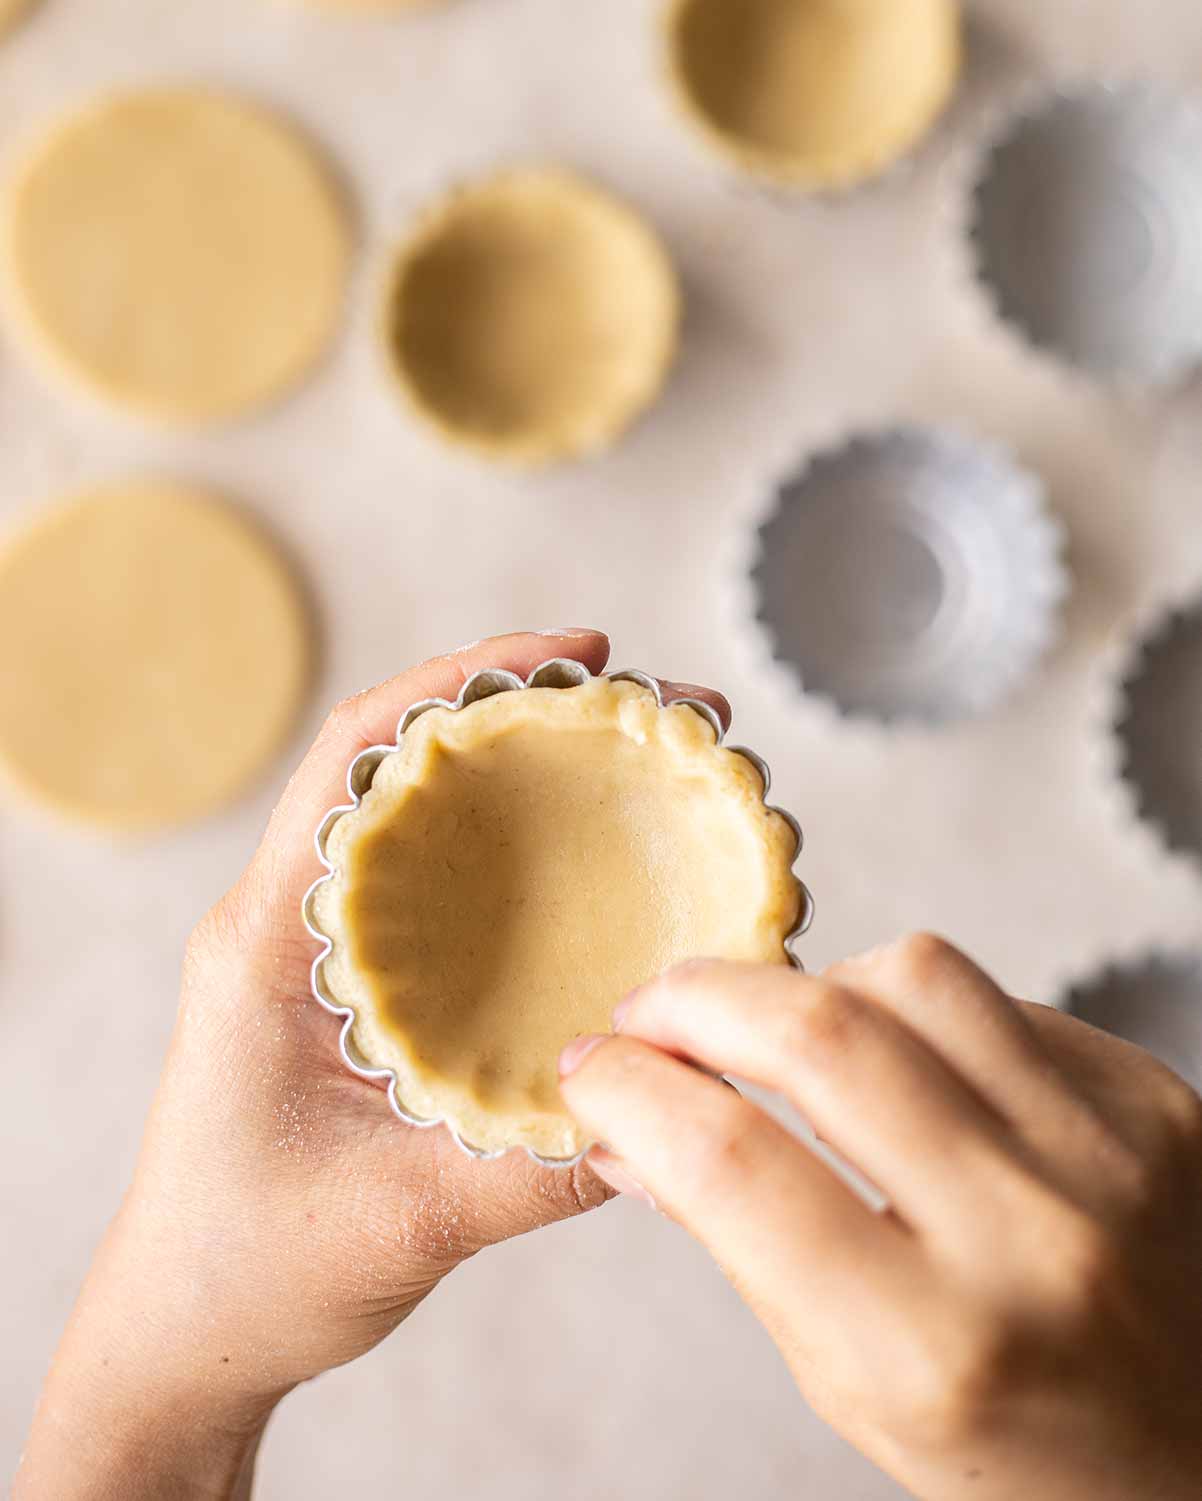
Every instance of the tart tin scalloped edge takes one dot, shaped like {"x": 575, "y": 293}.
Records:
{"x": 743, "y": 554}
{"x": 559, "y": 672}
{"x": 1127, "y": 664}
{"x": 971, "y": 170}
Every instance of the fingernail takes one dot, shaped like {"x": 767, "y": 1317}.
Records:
{"x": 576, "y": 1052}
{"x": 611, "y": 1171}
{"x": 571, "y": 632}
{"x": 622, "y": 1010}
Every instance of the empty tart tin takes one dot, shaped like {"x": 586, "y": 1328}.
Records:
{"x": 911, "y": 574}
{"x": 1086, "y": 229}
{"x": 556, "y": 674}
{"x": 530, "y": 317}
{"x": 1157, "y": 724}
{"x": 1155, "y": 1003}
{"x": 812, "y": 95}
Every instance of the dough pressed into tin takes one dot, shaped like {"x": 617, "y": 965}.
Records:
{"x": 154, "y": 650}
{"x": 814, "y": 94}
{"x": 531, "y": 316}
{"x": 176, "y": 252}
{"x": 515, "y": 869}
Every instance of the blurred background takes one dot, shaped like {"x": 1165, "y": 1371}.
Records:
{"x": 590, "y": 1361}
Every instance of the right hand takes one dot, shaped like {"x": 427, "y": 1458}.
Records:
{"x": 1025, "y": 1320}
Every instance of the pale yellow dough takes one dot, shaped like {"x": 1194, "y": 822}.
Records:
{"x": 176, "y": 252}
{"x": 531, "y": 317}
{"x": 814, "y": 94}
{"x": 516, "y": 868}
{"x": 153, "y": 654}
{"x": 11, "y": 11}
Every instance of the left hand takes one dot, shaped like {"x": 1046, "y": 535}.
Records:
{"x": 282, "y": 1220}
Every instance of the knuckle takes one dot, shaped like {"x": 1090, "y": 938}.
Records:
{"x": 341, "y": 718}
{"x": 725, "y": 1146}
{"x": 1182, "y": 1109}
{"x": 956, "y": 1385}
{"x": 1082, "y": 1268}
{"x": 687, "y": 975}
{"x": 826, "y": 1021}
{"x": 1137, "y": 1182}
{"x": 922, "y": 957}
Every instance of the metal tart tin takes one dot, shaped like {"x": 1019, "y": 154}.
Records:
{"x": 1086, "y": 228}
{"x": 912, "y": 574}
{"x": 557, "y": 673}
{"x": 1157, "y": 723}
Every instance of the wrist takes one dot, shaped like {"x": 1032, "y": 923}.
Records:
{"x": 135, "y": 1407}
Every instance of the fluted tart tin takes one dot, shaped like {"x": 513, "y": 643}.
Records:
{"x": 646, "y": 719}
{"x": 1156, "y": 716}
{"x": 911, "y": 574}
{"x": 1085, "y": 227}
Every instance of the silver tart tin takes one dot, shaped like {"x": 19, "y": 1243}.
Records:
{"x": 909, "y": 575}
{"x": 1155, "y": 1003}
{"x": 558, "y": 673}
{"x": 1156, "y": 722}
{"x": 1085, "y": 225}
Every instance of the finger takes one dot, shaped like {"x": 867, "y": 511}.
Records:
{"x": 866, "y": 1084}
{"x": 371, "y": 718}
{"x": 783, "y": 1226}
{"x": 674, "y": 692}
{"x": 986, "y": 1036}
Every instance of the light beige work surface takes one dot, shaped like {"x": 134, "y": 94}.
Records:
{"x": 605, "y": 1358}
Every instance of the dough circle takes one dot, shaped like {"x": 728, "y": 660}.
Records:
{"x": 154, "y": 651}
{"x": 176, "y": 252}
{"x": 813, "y": 94}
{"x": 531, "y": 317}
{"x": 515, "y": 869}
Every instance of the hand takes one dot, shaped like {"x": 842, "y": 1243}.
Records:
{"x": 282, "y": 1220}
{"x": 1026, "y": 1319}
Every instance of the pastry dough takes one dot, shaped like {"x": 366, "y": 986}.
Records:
{"x": 153, "y": 652}
{"x": 11, "y": 11}
{"x": 516, "y": 868}
{"x": 176, "y": 252}
{"x": 532, "y": 317}
{"x": 814, "y": 93}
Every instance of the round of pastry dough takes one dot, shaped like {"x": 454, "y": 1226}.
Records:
{"x": 814, "y": 94}
{"x": 154, "y": 650}
{"x": 176, "y": 252}
{"x": 532, "y": 317}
